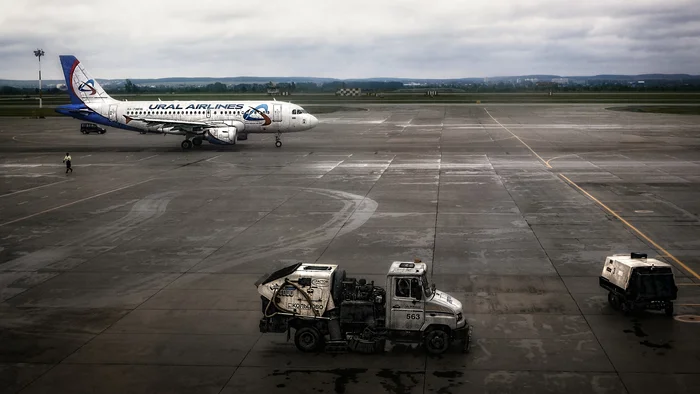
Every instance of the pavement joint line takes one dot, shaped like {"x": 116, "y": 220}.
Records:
{"x": 518, "y": 138}
{"x": 74, "y": 202}
{"x": 33, "y": 188}
{"x": 628, "y": 224}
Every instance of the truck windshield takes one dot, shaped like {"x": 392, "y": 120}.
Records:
{"x": 426, "y": 286}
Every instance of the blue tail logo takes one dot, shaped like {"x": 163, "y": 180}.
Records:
{"x": 88, "y": 87}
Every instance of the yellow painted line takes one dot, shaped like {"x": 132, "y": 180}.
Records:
{"x": 687, "y": 284}
{"x": 518, "y": 138}
{"x": 559, "y": 157}
{"x": 687, "y": 304}
{"x": 641, "y": 234}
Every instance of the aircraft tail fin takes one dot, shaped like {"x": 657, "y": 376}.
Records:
{"x": 82, "y": 87}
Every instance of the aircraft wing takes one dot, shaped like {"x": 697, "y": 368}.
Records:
{"x": 186, "y": 124}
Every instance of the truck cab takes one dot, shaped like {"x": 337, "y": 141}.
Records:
{"x": 415, "y": 308}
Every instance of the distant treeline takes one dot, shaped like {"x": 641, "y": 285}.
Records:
{"x": 293, "y": 87}
{"x": 381, "y": 87}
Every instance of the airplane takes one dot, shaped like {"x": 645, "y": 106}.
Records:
{"x": 217, "y": 122}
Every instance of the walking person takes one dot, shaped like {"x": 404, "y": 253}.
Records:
{"x": 67, "y": 160}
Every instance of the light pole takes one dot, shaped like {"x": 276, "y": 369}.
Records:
{"x": 39, "y": 53}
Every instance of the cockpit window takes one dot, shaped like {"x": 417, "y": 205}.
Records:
{"x": 294, "y": 112}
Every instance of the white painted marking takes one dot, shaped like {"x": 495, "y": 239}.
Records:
{"x": 643, "y": 211}
{"x": 32, "y": 188}
{"x": 74, "y": 202}
{"x": 146, "y": 158}
{"x": 22, "y": 203}
{"x": 212, "y": 158}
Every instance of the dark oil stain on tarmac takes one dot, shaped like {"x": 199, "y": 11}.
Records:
{"x": 652, "y": 345}
{"x": 638, "y": 332}
{"x": 392, "y": 382}
{"x": 636, "y": 329}
{"x": 344, "y": 375}
{"x": 450, "y": 376}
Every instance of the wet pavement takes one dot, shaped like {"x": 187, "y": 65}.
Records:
{"x": 135, "y": 272}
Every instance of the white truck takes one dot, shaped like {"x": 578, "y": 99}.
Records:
{"x": 635, "y": 282}
{"x": 331, "y": 312}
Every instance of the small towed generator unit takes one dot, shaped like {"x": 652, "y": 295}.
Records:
{"x": 635, "y": 282}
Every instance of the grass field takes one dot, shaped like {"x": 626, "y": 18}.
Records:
{"x": 27, "y": 107}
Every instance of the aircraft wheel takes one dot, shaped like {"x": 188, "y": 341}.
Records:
{"x": 197, "y": 141}
{"x": 186, "y": 144}
{"x": 278, "y": 143}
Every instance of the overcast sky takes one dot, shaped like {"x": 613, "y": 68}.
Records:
{"x": 350, "y": 39}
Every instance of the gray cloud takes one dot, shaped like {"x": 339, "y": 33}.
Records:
{"x": 362, "y": 38}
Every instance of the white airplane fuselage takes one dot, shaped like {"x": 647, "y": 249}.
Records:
{"x": 218, "y": 122}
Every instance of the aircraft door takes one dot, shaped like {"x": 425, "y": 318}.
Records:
{"x": 208, "y": 113}
{"x": 407, "y": 304}
{"x": 277, "y": 112}
{"x": 113, "y": 112}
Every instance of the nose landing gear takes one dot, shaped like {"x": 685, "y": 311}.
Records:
{"x": 278, "y": 140}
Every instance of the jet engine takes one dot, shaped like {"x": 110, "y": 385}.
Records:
{"x": 224, "y": 135}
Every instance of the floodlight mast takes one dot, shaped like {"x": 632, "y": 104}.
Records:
{"x": 39, "y": 53}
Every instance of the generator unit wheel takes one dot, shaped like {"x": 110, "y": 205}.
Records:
{"x": 308, "y": 339}
{"x": 614, "y": 301}
{"x": 669, "y": 309}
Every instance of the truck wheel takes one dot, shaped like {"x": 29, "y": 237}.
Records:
{"x": 437, "y": 341}
{"x": 308, "y": 339}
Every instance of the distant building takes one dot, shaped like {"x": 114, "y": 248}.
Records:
{"x": 561, "y": 81}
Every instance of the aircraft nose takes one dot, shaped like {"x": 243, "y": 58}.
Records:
{"x": 313, "y": 121}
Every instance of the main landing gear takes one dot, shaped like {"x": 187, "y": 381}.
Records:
{"x": 278, "y": 141}
{"x": 187, "y": 144}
